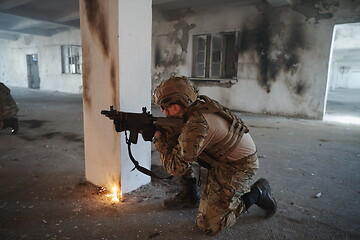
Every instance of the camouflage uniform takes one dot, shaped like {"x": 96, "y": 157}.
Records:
{"x": 8, "y": 107}
{"x": 227, "y": 179}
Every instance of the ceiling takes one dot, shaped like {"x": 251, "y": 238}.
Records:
{"x": 38, "y": 17}
{"x": 48, "y": 17}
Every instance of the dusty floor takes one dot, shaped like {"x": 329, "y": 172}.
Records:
{"x": 44, "y": 194}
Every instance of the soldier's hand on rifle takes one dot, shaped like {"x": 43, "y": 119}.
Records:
{"x": 157, "y": 135}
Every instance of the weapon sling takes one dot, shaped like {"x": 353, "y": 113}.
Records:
{"x": 137, "y": 165}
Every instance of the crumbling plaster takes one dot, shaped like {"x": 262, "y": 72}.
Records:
{"x": 48, "y": 49}
{"x": 283, "y": 56}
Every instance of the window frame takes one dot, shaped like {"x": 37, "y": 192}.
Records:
{"x": 212, "y": 53}
{"x": 71, "y": 59}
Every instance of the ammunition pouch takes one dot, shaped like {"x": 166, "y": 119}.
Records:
{"x": 207, "y": 161}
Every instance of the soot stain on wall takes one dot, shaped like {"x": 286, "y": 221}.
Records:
{"x": 157, "y": 56}
{"x": 294, "y": 44}
{"x": 177, "y": 43}
{"x": 86, "y": 73}
{"x": 262, "y": 41}
{"x": 258, "y": 42}
{"x": 98, "y": 27}
{"x": 113, "y": 82}
{"x": 300, "y": 88}
{"x": 97, "y": 23}
{"x": 181, "y": 34}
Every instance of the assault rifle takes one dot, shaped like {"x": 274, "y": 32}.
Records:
{"x": 144, "y": 123}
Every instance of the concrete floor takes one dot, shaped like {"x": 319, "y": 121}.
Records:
{"x": 343, "y": 105}
{"x": 44, "y": 194}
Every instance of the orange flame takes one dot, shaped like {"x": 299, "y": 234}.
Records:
{"x": 115, "y": 193}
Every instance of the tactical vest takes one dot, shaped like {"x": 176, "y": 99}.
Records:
{"x": 221, "y": 150}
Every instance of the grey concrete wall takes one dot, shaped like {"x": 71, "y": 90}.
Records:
{"x": 283, "y": 57}
{"x": 282, "y": 62}
{"x": 13, "y": 70}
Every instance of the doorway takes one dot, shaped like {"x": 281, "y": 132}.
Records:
{"x": 343, "y": 90}
{"x": 33, "y": 71}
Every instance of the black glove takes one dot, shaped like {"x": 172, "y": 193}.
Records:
{"x": 204, "y": 164}
{"x": 148, "y": 133}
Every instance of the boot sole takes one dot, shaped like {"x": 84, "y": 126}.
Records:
{"x": 262, "y": 182}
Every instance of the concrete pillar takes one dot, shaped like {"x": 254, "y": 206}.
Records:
{"x": 116, "y": 45}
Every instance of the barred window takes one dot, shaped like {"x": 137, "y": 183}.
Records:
{"x": 71, "y": 59}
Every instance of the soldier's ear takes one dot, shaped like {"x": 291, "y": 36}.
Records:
{"x": 176, "y": 109}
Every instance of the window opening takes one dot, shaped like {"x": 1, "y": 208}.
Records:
{"x": 343, "y": 86}
{"x": 71, "y": 59}
{"x": 214, "y": 55}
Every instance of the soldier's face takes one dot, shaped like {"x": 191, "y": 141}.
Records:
{"x": 172, "y": 111}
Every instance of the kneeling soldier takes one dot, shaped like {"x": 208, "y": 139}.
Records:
{"x": 216, "y": 138}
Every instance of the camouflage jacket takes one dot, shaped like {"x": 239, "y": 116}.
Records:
{"x": 178, "y": 152}
{"x": 211, "y": 134}
{"x": 8, "y": 107}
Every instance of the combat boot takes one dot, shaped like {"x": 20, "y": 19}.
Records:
{"x": 12, "y": 123}
{"x": 266, "y": 201}
{"x": 187, "y": 198}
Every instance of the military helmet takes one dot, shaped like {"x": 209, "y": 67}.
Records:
{"x": 175, "y": 90}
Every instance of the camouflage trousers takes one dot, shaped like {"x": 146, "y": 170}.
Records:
{"x": 8, "y": 107}
{"x": 221, "y": 202}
